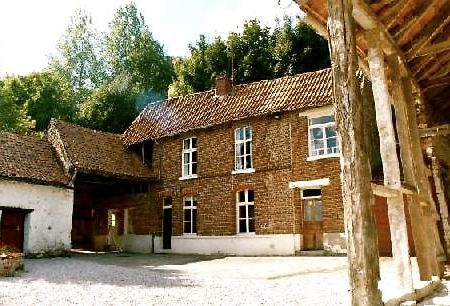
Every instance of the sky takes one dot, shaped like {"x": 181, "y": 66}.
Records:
{"x": 31, "y": 29}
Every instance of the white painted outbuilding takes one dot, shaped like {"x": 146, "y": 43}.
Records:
{"x": 36, "y": 202}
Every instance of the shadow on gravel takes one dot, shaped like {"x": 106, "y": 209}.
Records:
{"x": 124, "y": 270}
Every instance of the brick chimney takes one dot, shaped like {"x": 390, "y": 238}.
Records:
{"x": 223, "y": 86}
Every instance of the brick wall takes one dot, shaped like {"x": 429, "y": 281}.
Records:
{"x": 302, "y": 169}
{"x": 280, "y": 148}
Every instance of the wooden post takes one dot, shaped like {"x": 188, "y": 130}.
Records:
{"x": 429, "y": 213}
{"x": 391, "y": 169}
{"x": 362, "y": 247}
{"x": 443, "y": 207}
{"x": 423, "y": 247}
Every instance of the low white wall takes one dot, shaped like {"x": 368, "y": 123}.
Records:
{"x": 136, "y": 243}
{"x": 249, "y": 245}
{"x": 49, "y": 225}
{"x": 335, "y": 243}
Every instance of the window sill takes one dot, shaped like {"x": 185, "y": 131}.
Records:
{"x": 189, "y": 235}
{"x": 242, "y": 171}
{"x": 317, "y": 157}
{"x": 183, "y": 178}
{"x": 251, "y": 234}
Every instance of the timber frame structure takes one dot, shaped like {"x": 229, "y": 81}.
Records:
{"x": 403, "y": 47}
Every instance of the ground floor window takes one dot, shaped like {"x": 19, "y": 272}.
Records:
{"x": 190, "y": 215}
{"x": 312, "y": 204}
{"x": 246, "y": 211}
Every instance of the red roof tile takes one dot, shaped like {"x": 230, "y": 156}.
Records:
{"x": 29, "y": 158}
{"x": 94, "y": 152}
{"x": 205, "y": 109}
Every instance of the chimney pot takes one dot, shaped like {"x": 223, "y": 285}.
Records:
{"x": 223, "y": 86}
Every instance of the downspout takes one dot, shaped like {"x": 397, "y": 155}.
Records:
{"x": 292, "y": 191}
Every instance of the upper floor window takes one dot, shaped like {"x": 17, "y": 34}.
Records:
{"x": 243, "y": 148}
{"x": 189, "y": 157}
{"x": 323, "y": 140}
{"x": 190, "y": 215}
{"x": 246, "y": 211}
{"x": 147, "y": 152}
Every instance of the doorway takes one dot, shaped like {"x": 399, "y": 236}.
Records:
{"x": 167, "y": 223}
{"x": 12, "y": 228}
{"x": 312, "y": 219}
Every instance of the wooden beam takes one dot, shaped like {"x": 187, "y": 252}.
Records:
{"x": 365, "y": 13}
{"x": 428, "y": 34}
{"x": 441, "y": 130}
{"x": 391, "y": 167}
{"x": 362, "y": 247}
{"x": 443, "y": 207}
{"x": 428, "y": 207}
{"x": 435, "y": 48}
{"x": 424, "y": 248}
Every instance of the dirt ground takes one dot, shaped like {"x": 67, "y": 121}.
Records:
{"x": 131, "y": 279}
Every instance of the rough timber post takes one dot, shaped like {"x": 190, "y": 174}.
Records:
{"x": 362, "y": 248}
{"x": 427, "y": 203}
{"x": 443, "y": 207}
{"x": 391, "y": 168}
{"x": 424, "y": 248}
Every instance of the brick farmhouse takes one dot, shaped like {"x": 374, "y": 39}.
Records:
{"x": 250, "y": 170}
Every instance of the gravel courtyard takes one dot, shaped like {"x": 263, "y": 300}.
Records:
{"x": 122, "y": 279}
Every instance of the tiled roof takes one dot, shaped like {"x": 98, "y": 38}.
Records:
{"x": 94, "y": 152}
{"x": 29, "y": 158}
{"x": 205, "y": 109}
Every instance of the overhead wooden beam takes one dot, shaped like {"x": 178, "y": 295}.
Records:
{"x": 435, "y": 48}
{"x": 368, "y": 20}
{"x": 429, "y": 33}
{"x": 362, "y": 246}
{"x": 320, "y": 27}
{"x": 440, "y": 130}
{"x": 391, "y": 166}
{"x": 424, "y": 15}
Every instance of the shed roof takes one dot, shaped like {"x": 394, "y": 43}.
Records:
{"x": 417, "y": 30}
{"x": 205, "y": 109}
{"x": 29, "y": 158}
{"x": 93, "y": 152}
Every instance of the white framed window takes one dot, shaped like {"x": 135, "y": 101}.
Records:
{"x": 190, "y": 215}
{"x": 245, "y": 211}
{"x": 322, "y": 137}
{"x": 312, "y": 205}
{"x": 243, "y": 149}
{"x": 189, "y": 158}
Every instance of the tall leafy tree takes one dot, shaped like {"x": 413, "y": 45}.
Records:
{"x": 13, "y": 116}
{"x": 41, "y": 96}
{"x": 79, "y": 56}
{"x": 257, "y": 53}
{"x": 131, "y": 49}
{"x": 112, "y": 107}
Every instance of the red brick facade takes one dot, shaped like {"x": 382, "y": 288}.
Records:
{"x": 280, "y": 151}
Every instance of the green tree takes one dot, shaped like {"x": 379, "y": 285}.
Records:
{"x": 131, "y": 49}
{"x": 255, "y": 54}
{"x": 13, "y": 117}
{"x": 79, "y": 57}
{"x": 42, "y": 96}
{"x": 112, "y": 107}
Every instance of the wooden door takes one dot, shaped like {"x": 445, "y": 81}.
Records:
{"x": 312, "y": 224}
{"x": 11, "y": 228}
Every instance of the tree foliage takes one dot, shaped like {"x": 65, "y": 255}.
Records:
{"x": 13, "y": 116}
{"x": 79, "y": 57}
{"x": 112, "y": 107}
{"x": 255, "y": 54}
{"x": 131, "y": 49}
{"x": 41, "y": 96}
{"x": 103, "y": 80}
